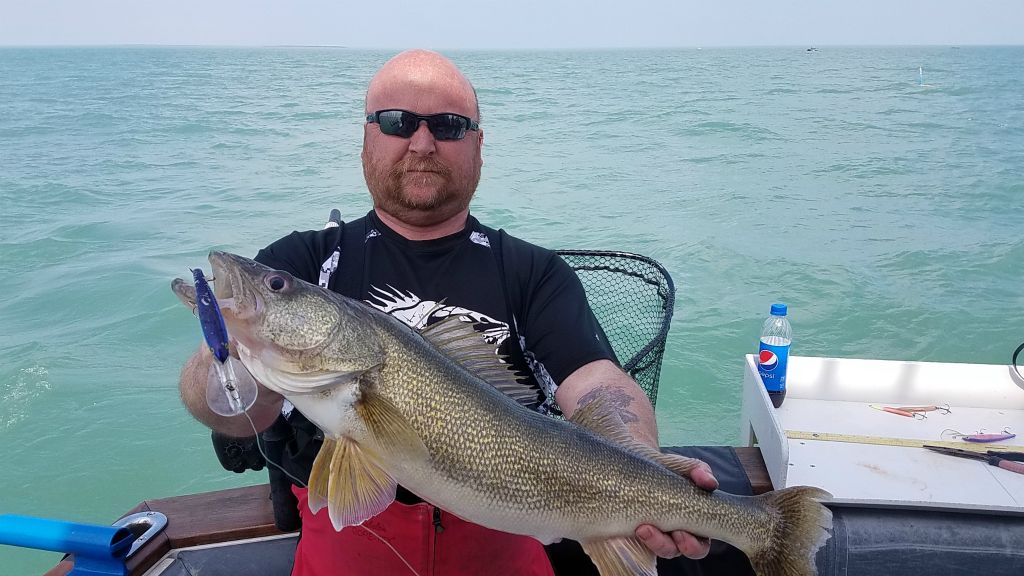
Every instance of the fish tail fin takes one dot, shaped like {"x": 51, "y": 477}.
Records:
{"x": 802, "y": 526}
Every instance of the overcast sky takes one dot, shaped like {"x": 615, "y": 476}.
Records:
{"x": 488, "y": 24}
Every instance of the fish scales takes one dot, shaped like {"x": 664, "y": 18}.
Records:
{"x": 523, "y": 464}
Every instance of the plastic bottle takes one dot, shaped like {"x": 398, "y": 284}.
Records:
{"x": 773, "y": 354}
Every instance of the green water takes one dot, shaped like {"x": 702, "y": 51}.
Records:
{"x": 886, "y": 214}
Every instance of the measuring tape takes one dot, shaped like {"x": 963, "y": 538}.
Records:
{"x": 904, "y": 442}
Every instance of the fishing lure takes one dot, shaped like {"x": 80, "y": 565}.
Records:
{"x": 929, "y": 408}
{"x": 230, "y": 389}
{"x": 1005, "y": 435}
{"x": 899, "y": 411}
{"x": 981, "y": 437}
{"x": 210, "y": 318}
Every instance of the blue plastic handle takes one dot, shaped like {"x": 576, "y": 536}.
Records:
{"x": 98, "y": 550}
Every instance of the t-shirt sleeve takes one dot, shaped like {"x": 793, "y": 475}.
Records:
{"x": 559, "y": 327}
{"x": 297, "y": 254}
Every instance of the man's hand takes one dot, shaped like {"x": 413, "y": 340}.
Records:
{"x": 680, "y": 542}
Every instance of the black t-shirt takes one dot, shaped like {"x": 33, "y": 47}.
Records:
{"x": 479, "y": 273}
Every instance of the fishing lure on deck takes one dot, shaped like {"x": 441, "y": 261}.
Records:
{"x": 899, "y": 411}
{"x": 981, "y": 437}
{"x": 929, "y": 408}
{"x": 230, "y": 389}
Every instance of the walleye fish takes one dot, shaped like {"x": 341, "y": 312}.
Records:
{"x": 435, "y": 411}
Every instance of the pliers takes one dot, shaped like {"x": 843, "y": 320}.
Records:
{"x": 1007, "y": 460}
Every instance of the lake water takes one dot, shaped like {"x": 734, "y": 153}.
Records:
{"x": 880, "y": 201}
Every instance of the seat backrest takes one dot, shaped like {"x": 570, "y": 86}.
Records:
{"x": 633, "y": 298}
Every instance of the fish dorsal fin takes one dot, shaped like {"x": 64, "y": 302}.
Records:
{"x": 459, "y": 340}
{"x": 599, "y": 416}
{"x": 621, "y": 557}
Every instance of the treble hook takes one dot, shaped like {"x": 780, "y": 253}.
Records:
{"x": 981, "y": 436}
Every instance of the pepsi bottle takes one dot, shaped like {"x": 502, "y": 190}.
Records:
{"x": 773, "y": 354}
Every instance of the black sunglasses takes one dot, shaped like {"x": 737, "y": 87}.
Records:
{"x": 404, "y": 124}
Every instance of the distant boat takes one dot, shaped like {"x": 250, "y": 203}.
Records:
{"x": 812, "y": 49}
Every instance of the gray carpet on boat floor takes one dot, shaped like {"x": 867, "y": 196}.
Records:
{"x": 263, "y": 558}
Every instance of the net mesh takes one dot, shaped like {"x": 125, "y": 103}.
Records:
{"x": 633, "y": 298}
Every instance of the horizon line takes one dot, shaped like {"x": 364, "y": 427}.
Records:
{"x": 508, "y": 49}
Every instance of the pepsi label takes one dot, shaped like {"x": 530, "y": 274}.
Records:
{"x": 771, "y": 365}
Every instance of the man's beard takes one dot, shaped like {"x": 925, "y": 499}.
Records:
{"x": 390, "y": 190}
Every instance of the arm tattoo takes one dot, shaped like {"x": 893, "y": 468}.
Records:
{"x": 616, "y": 398}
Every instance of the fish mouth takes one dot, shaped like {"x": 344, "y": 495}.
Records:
{"x": 235, "y": 294}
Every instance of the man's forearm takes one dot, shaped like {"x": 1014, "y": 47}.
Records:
{"x": 602, "y": 378}
{"x": 633, "y": 407}
{"x": 194, "y": 376}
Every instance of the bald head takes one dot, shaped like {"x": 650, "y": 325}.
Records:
{"x": 421, "y": 186}
{"x": 424, "y": 82}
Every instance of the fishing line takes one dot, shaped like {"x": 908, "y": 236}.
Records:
{"x": 259, "y": 446}
{"x": 388, "y": 544}
{"x": 270, "y": 462}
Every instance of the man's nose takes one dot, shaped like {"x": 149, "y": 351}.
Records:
{"x": 422, "y": 140}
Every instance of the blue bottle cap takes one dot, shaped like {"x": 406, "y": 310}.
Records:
{"x": 779, "y": 309}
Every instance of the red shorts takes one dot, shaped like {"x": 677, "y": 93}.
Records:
{"x": 458, "y": 548}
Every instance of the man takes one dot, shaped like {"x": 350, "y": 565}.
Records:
{"x": 420, "y": 256}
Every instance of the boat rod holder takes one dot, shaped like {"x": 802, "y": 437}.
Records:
{"x": 98, "y": 550}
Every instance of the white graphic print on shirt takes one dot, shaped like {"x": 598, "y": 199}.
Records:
{"x": 417, "y": 313}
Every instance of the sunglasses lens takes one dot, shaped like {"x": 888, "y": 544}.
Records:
{"x": 447, "y": 126}
{"x": 397, "y": 123}
{"x": 404, "y": 124}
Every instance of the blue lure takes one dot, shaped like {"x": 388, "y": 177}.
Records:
{"x": 230, "y": 389}
{"x": 210, "y": 318}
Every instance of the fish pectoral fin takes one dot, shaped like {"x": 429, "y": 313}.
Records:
{"x": 350, "y": 482}
{"x": 621, "y": 557}
{"x": 390, "y": 430}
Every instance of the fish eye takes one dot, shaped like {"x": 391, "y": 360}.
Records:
{"x": 276, "y": 282}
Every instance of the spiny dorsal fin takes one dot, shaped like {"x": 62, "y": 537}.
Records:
{"x": 621, "y": 557}
{"x": 599, "y": 416}
{"x": 458, "y": 339}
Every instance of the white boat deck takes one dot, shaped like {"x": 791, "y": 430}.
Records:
{"x": 832, "y": 396}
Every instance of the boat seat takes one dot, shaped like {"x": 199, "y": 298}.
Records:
{"x": 633, "y": 297}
